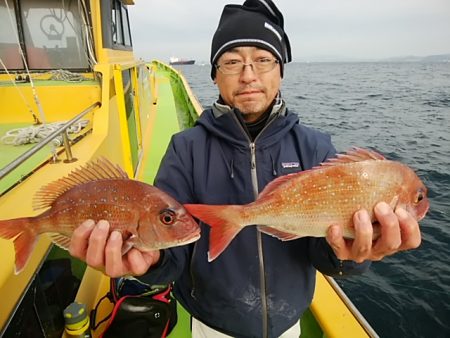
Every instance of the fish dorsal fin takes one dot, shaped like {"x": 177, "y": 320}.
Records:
{"x": 353, "y": 155}
{"x": 276, "y": 183}
{"x": 101, "y": 169}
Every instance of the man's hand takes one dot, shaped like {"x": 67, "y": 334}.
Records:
{"x": 399, "y": 231}
{"x": 101, "y": 250}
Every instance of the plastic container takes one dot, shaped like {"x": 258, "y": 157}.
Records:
{"x": 77, "y": 321}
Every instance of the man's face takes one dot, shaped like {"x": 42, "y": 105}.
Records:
{"x": 249, "y": 91}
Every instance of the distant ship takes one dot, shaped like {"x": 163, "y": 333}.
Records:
{"x": 178, "y": 61}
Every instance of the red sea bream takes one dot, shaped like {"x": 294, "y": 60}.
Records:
{"x": 308, "y": 202}
{"x": 147, "y": 217}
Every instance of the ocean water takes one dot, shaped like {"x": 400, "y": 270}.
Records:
{"x": 401, "y": 110}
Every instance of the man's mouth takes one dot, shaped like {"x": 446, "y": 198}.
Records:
{"x": 249, "y": 92}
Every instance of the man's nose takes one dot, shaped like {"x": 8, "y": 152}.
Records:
{"x": 247, "y": 73}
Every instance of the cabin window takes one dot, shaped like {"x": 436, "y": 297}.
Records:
{"x": 9, "y": 52}
{"x": 121, "y": 35}
{"x": 129, "y": 93}
{"x": 51, "y": 33}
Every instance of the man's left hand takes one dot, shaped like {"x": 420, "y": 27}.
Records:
{"x": 399, "y": 231}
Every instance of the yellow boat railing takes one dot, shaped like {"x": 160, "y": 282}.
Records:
{"x": 352, "y": 308}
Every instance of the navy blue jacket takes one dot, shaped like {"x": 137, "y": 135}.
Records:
{"x": 259, "y": 286}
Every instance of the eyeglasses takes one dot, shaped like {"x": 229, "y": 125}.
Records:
{"x": 260, "y": 65}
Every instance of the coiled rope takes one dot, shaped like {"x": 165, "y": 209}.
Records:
{"x": 65, "y": 75}
{"x": 34, "y": 134}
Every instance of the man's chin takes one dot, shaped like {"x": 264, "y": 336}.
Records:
{"x": 250, "y": 107}
{"x": 250, "y": 116}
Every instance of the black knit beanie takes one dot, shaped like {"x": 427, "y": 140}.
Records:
{"x": 256, "y": 23}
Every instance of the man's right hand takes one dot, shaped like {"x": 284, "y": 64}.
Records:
{"x": 102, "y": 250}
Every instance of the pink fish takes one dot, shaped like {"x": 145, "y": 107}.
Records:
{"x": 307, "y": 203}
{"x": 147, "y": 217}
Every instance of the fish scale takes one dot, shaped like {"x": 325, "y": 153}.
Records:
{"x": 314, "y": 207}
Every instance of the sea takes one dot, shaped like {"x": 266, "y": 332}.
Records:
{"x": 401, "y": 110}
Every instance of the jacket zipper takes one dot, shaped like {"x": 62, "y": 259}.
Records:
{"x": 262, "y": 274}
{"x": 194, "y": 251}
{"x": 259, "y": 236}
{"x": 262, "y": 271}
{"x": 265, "y": 310}
{"x": 254, "y": 177}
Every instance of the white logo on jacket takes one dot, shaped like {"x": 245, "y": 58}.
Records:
{"x": 290, "y": 165}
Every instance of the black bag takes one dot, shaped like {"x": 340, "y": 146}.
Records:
{"x": 140, "y": 310}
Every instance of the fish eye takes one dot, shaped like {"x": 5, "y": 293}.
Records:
{"x": 419, "y": 197}
{"x": 167, "y": 216}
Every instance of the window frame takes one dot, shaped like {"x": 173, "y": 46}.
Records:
{"x": 108, "y": 7}
{"x": 19, "y": 21}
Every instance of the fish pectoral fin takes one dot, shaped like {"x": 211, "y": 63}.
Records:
{"x": 60, "y": 240}
{"x": 128, "y": 244}
{"x": 394, "y": 202}
{"x": 283, "y": 236}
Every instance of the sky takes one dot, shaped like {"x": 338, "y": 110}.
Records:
{"x": 317, "y": 29}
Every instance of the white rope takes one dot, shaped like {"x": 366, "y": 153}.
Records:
{"x": 88, "y": 34}
{"x": 65, "y": 75}
{"x": 34, "y": 134}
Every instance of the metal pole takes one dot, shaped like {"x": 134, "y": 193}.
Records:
{"x": 66, "y": 142}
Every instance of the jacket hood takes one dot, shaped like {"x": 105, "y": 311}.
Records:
{"x": 222, "y": 121}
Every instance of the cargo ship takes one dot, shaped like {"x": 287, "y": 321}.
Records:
{"x": 173, "y": 61}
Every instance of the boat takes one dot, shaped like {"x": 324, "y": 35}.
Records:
{"x": 72, "y": 91}
{"x": 173, "y": 61}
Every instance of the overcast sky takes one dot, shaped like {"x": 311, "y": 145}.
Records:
{"x": 360, "y": 29}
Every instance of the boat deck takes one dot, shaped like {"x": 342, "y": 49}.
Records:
{"x": 157, "y": 136}
{"x": 164, "y": 124}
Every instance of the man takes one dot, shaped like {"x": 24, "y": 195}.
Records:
{"x": 259, "y": 286}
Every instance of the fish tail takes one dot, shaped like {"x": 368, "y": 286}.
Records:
{"x": 225, "y": 222}
{"x": 20, "y": 231}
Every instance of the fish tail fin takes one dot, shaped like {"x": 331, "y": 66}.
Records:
{"x": 225, "y": 222}
{"x": 24, "y": 238}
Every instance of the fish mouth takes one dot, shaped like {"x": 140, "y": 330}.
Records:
{"x": 420, "y": 211}
{"x": 173, "y": 244}
{"x": 185, "y": 241}
{"x": 191, "y": 240}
